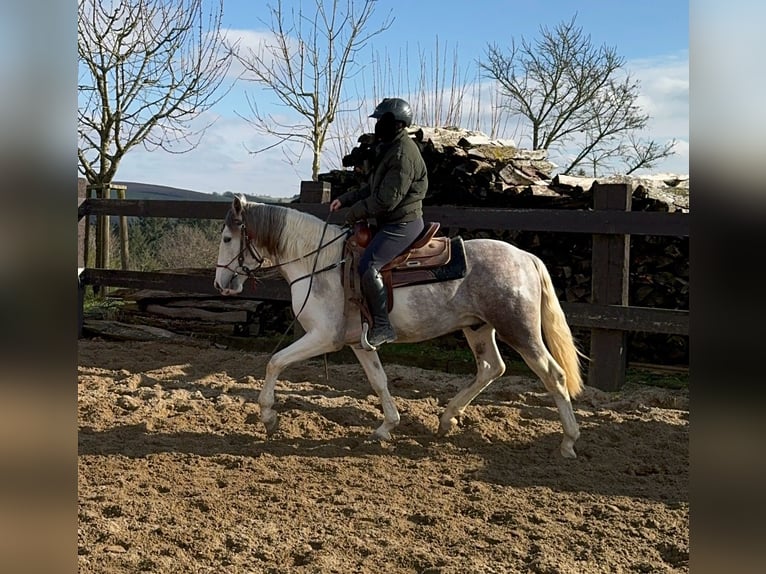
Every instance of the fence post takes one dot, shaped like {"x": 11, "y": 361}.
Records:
{"x": 610, "y": 277}
{"x": 80, "y": 304}
{"x": 104, "y": 230}
{"x": 102, "y": 233}
{"x": 86, "y": 234}
{"x": 315, "y": 192}
{"x": 124, "y": 252}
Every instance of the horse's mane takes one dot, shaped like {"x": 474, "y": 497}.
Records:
{"x": 288, "y": 233}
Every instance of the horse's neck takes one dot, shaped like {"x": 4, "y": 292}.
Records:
{"x": 311, "y": 250}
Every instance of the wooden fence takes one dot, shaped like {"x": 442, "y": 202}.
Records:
{"x": 611, "y": 223}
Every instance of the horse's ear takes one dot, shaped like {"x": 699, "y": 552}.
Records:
{"x": 238, "y": 204}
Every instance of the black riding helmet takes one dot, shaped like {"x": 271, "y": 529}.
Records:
{"x": 398, "y": 107}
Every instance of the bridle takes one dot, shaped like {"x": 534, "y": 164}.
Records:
{"x": 246, "y": 245}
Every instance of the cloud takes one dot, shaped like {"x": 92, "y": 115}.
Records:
{"x": 665, "y": 93}
{"x": 665, "y": 97}
{"x": 249, "y": 43}
{"x": 220, "y": 163}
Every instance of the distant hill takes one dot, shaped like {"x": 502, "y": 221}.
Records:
{"x": 137, "y": 190}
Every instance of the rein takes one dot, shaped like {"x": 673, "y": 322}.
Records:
{"x": 248, "y": 245}
{"x": 311, "y": 279}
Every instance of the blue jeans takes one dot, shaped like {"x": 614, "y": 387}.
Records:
{"x": 390, "y": 241}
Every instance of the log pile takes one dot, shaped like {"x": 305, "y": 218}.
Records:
{"x": 189, "y": 312}
{"x": 471, "y": 169}
{"x": 468, "y": 168}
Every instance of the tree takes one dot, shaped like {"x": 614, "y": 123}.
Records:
{"x": 573, "y": 93}
{"x": 305, "y": 64}
{"x": 147, "y": 68}
{"x": 645, "y": 153}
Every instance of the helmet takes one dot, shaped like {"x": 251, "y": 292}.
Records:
{"x": 400, "y": 109}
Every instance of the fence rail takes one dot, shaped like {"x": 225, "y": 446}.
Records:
{"x": 555, "y": 220}
{"x": 611, "y": 224}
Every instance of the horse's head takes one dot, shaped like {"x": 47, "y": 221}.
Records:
{"x": 237, "y": 257}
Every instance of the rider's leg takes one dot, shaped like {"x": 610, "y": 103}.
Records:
{"x": 388, "y": 242}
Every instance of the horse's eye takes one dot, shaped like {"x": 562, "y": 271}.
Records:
{"x": 227, "y": 239}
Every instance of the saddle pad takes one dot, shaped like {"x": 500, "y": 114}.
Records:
{"x": 455, "y": 268}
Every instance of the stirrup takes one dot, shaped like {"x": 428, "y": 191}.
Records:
{"x": 364, "y": 342}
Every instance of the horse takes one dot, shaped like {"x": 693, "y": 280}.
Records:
{"x": 506, "y": 293}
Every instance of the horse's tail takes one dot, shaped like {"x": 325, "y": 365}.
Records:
{"x": 558, "y": 335}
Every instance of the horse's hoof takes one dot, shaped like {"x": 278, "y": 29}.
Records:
{"x": 446, "y": 426}
{"x": 379, "y": 436}
{"x": 272, "y": 425}
{"x": 567, "y": 451}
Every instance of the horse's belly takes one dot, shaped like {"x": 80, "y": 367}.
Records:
{"x": 427, "y": 312}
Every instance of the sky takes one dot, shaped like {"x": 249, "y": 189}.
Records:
{"x": 652, "y": 36}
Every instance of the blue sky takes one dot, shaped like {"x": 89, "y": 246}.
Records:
{"x": 652, "y": 36}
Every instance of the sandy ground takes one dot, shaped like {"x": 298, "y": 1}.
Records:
{"x": 176, "y": 474}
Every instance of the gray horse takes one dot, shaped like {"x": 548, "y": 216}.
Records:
{"x": 506, "y": 291}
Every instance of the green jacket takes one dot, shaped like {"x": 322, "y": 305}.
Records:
{"x": 396, "y": 188}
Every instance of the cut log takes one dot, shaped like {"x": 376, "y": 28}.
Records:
{"x": 512, "y": 176}
{"x": 473, "y": 140}
{"x": 540, "y": 191}
{"x": 127, "y": 331}
{"x": 215, "y": 304}
{"x": 193, "y": 313}
{"x": 141, "y": 294}
{"x": 571, "y": 181}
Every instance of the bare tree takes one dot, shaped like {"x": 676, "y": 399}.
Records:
{"x": 147, "y": 68}
{"x": 611, "y": 134}
{"x": 639, "y": 153}
{"x": 439, "y": 90}
{"x": 632, "y": 154}
{"x": 570, "y": 91}
{"x": 306, "y": 63}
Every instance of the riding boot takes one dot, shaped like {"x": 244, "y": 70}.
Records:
{"x": 374, "y": 292}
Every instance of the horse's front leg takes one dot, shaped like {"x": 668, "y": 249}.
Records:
{"x": 379, "y": 382}
{"x": 310, "y": 345}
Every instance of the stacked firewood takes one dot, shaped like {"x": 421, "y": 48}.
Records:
{"x": 470, "y": 169}
{"x": 464, "y": 167}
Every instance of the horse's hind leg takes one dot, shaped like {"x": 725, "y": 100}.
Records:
{"x": 379, "y": 382}
{"x": 489, "y": 366}
{"x": 552, "y": 375}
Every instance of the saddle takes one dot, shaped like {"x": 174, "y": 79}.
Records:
{"x": 428, "y": 259}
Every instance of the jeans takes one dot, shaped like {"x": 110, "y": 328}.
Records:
{"x": 390, "y": 241}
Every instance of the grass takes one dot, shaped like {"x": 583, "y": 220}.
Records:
{"x": 655, "y": 379}
{"x": 102, "y": 307}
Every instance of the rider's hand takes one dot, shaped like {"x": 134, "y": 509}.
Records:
{"x": 335, "y": 205}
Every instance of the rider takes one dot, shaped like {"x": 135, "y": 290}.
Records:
{"x": 394, "y": 197}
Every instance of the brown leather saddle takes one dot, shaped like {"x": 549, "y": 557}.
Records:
{"x": 428, "y": 259}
